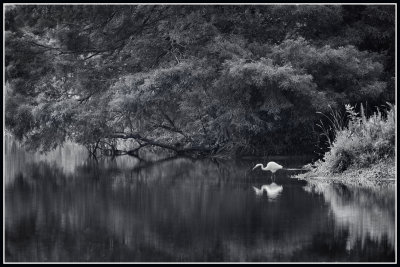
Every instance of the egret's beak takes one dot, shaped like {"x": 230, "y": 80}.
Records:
{"x": 254, "y": 167}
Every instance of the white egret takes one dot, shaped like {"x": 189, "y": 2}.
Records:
{"x": 271, "y": 166}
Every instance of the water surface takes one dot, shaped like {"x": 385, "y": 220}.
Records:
{"x": 66, "y": 207}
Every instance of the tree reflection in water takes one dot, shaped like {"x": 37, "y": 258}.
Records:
{"x": 367, "y": 214}
{"x": 182, "y": 210}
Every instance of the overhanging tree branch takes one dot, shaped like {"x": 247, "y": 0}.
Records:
{"x": 150, "y": 142}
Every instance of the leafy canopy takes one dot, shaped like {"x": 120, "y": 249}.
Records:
{"x": 233, "y": 78}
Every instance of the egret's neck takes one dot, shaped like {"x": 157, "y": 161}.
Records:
{"x": 264, "y": 168}
{"x": 259, "y": 165}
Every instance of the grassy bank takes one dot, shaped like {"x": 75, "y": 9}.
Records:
{"x": 363, "y": 150}
{"x": 378, "y": 174}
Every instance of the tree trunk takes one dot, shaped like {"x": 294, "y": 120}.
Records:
{"x": 180, "y": 151}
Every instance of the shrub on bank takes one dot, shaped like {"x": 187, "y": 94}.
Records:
{"x": 365, "y": 141}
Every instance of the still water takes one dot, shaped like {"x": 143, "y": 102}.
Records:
{"x": 66, "y": 207}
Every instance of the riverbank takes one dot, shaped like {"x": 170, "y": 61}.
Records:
{"x": 362, "y": 152}
{"x": 378, "y": 174}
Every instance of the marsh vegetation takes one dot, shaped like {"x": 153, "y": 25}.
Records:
{"x": 363, "y": 148}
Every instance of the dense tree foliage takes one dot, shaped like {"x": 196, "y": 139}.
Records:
{"x": 209, "y": 79}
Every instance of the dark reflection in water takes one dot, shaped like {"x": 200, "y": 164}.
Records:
{"x": 63, "y": 207}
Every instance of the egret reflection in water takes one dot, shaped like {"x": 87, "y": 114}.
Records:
{"x": 272, "y": 190}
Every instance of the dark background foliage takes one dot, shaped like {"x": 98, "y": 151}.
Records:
{"x": 229, "y": 79}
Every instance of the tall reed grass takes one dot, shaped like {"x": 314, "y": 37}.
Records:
{"x": 362, "y": 142}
